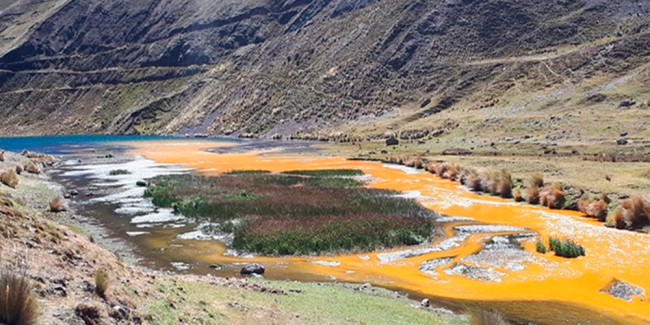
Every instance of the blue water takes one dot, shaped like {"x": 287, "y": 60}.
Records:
{"x": 55, "y": 145}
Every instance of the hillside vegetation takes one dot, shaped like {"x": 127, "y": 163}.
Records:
{"x": 572, "y": 70}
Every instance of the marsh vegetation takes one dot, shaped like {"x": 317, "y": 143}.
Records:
{"x": 297, "y": 212}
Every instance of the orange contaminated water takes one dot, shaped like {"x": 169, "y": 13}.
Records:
{"x": 549, "y": 290}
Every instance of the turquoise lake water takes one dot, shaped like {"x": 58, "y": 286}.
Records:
{"x": 66, "y": 143}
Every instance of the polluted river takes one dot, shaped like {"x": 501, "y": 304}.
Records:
{"x": 486, "y": 257}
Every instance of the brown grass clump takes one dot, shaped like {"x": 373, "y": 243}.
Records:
{"x": 101, "y": 283}
{"x": 489, "y": 181}
{"x": 441, "y": 169}
{"x": 17, "y": 304}
{"x": 431, "y": 167}
{"x": 553, "y": 196}
{"x": 451, "y": 172}
{"x": 9, "y": 178}
{"x": 536, "y": 179}
{"x": 2, "y": 156}
{"x": 472, "y": 180}
{"x": 32, "y": 168}
{"x": 516, "y": 194}
{"x": 504, "y": 185}
{"x": 532, "y": 194}
{"x": 19, "y": 170}
{"x": 595, "y": 209}
{"x": 58, "y": 204}
{"x": 633, "y": 213}
{"x": 484, "y": 317}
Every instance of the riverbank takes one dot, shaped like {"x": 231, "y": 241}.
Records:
{"x": 453, "y": 270}
{"x": 61, "y": 263}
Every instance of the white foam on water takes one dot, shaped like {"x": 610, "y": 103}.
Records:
{"x": 326, "y": 263}
{"x": 407, "y": 170}
{"x": 162, "y": 216}
{"x": 137, "y": 233}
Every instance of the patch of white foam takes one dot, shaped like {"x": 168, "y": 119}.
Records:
{"x": 475, "y": 229}
{"x": 137, "y": 233}
{"x": 446, "y": 219}
{"x": 327, "y": 263}
{"x": 162, "y": 216}
{"x": 407, "y": 170}
{"x": 444, "y": 245}
{"x": 180, "y": 266}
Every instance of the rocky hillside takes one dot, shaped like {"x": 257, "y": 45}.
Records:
{"x": 269, "y": 67}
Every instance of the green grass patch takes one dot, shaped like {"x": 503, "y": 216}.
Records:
{"x": 286, "y": 215}
{"x": 566, "y": 248}
{"x": 117, "y": 172}
{"x": 326, "y": 172}
{"x": 247, "y": 172}
{"x": 541, "y": 248}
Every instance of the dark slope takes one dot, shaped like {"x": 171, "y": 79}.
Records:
{"x": 266, "y": 67}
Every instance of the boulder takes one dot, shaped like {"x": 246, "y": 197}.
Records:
{"x": 621, "y": 142}
{"x": 252, "y": 269}
{"x": 392, "y": 142}
{"x": 627, "y": 103}
{"x": 424, "y": 102}
{"x": 425, "y": 303}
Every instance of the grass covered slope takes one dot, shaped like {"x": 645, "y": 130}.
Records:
{"x": 285, "y": 214}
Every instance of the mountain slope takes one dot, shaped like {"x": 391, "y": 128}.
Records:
{"x": 308, "y": 66}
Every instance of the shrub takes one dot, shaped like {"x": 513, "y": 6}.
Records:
{"x": 504, "y": 185}
{"x": 484, "y": 317}
{"x": 535, "y": 179}
{"x": 516, "y": 194}
{"x": 566, "y": 248}
{"x": 17, "y": 304}
{"x": 141, "y": 183}
{"x": 633, "y": 213}
{"x": 117, "y": 172}
{"x": 553, "y": 196}
{"x": 9, "y": 178}
{"x": 451, "y": 172}
{"x": 541, "y": 248}
{"x": 32, "y": 168}
{"x": 19, "y": 170}
{"x": 58, "y": 204}
{"x": 2, "y": 156}
{"x": 473, "y": 180}
{"x": 595, "y": 209}
{"x": 101, "y": 283}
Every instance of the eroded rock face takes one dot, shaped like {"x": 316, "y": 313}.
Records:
{"x": 277, "y": 67}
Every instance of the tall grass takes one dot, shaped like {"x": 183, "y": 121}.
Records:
{"x": 17, "y": 303}
{"x": 9, "y": 178}
{"x": 485, "y": 317}
{"x": 101, "y": 283}
{"x": 326, "y": 172}
{"x": 552, "y": 196}
{"x": 287, "y": 214}
{"x": 632, "y": 213}
{"x": 117, "y": 172}
{"x": 566, "y": 248}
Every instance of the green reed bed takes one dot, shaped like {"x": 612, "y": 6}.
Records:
{"x": 280, "y": 214}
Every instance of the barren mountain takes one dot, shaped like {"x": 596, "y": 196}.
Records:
{"x": 265, "y": 67}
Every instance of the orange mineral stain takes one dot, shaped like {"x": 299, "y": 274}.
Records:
{"x": 549, "y": 290}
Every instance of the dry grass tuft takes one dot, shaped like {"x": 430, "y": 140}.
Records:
{"x": 516, "y": 194}
{"x": 452, "y": 172}
{"x": 536, "y": 179}
{"x": 504, "y": 185}
{"x": 595, "y": 209}
{"x": 2, "y": 156}
{"x": 532, "y": 194}
{"x": 32, "y": 168}
{"x": 633, "y": 213}
{"x": 553, "y": 196}
{"x": 472, "y": 180}
{"x": 484, "y": 317}
{"x": 58, "y": 204}
{"x": 9, "y": 178}
{"x": 17, "y": 304}
{"x": 101, "y": 283}
{"x": 441, "y": 169}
